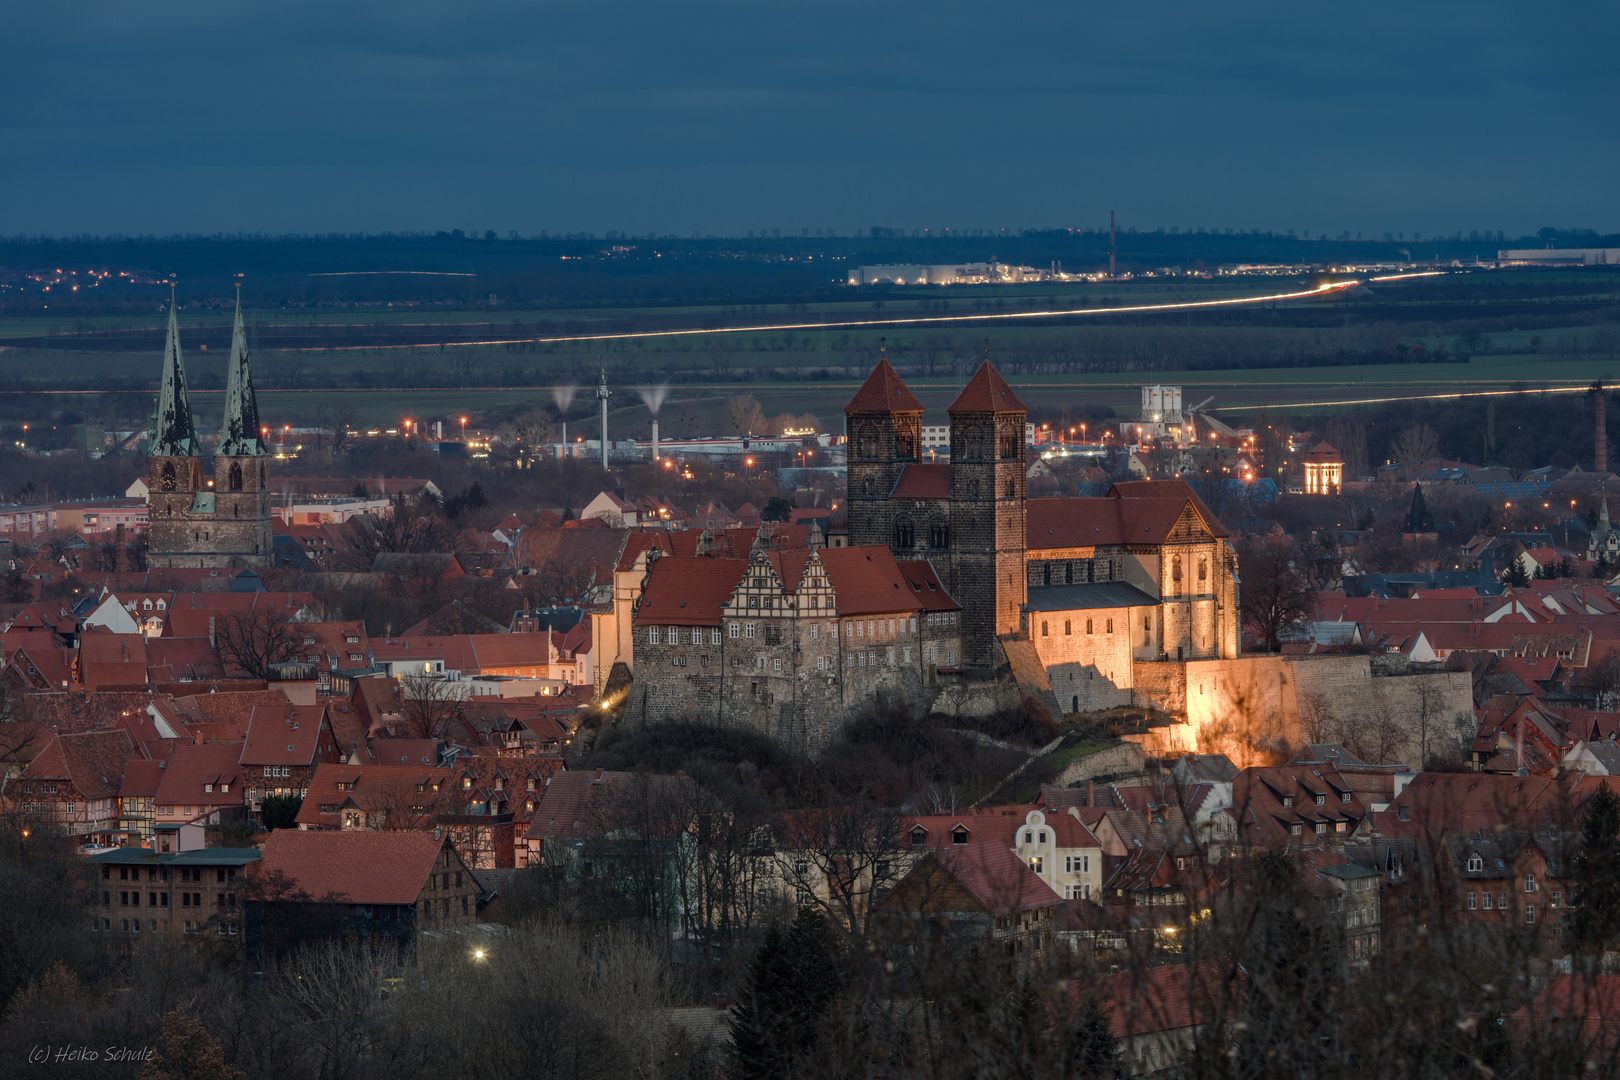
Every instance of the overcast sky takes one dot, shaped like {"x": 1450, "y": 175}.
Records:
{"x": 166, "y": 116}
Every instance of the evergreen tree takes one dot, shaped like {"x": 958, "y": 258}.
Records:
{"x": 1514, "y": 576}
{"x": 792, "y": 980}
{"x": 1595, "y": 922}
{"x": 1093, "y": 1050}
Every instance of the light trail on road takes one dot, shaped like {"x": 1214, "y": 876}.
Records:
{"x": 848, "y": 324}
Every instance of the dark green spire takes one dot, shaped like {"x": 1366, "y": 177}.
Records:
{"x": 173, "y": 433}
{"x": 240, "y": 436}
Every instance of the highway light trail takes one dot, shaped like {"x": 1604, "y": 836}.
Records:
{"x": 1455, "y": 396}
{"x": 853, "y": 324}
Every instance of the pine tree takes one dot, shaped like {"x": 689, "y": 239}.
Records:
{"x": 1595, "y": 922}
{"x": 1093, "y": 1050}
{"x": 1515, "y": 576}
{"x": 792, "y": 980}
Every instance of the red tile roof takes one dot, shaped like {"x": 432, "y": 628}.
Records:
{"x": 358, "y": 867}
{"x": 287, "y": 735}
{"x": 1155, "y": 999}
{"x": 987, "y": 391}
{"x": 92, "y": 762}
{"x": 867, "y": 580}
{"x": 997, "y": 878}
{"x": 689, "y": 590}
{"x": 1114, "y": 518}
{"x": 191, "y": 767}
{"x": 388, "y": 790}
{"x": 923, "y": 481}
{"x": 884, "y": 391}
{"x": 926, "y": 587}
{"x": 574, "y": 803}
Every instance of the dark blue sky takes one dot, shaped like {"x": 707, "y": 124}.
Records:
{"x": 173, "y": 116}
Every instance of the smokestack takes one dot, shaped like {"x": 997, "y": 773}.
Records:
{"x": 602, "y": 395}
{"x": 655, "y": 440}
{"x": 1111, "y": 247}
{"x": 1602, "y": 455}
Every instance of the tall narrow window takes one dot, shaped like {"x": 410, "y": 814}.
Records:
{"x": 236, "y": 476}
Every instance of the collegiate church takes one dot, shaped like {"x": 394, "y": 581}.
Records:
{"x": 196, "y": 521}
{"x": 1097, "y": 585}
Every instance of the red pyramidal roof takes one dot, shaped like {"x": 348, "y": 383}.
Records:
{"x": 883, "y": 391}
{"x": 987, "y": 391}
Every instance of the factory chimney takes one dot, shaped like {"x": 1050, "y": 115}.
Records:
{"x": 602, "y": 395}
{"x": 655, "y": 440}
{"x": 1111, "y": 246}
{"x": 1602, "y": 442}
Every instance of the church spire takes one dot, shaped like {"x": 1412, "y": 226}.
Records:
{"x": 173, "y": 433}
{"x": 240, "y": 436}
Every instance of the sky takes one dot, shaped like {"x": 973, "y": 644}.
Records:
{"x": 719, "y": 117}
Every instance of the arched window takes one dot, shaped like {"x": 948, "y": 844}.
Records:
{"x": 939, "y": 536}
{"x": 1011, "y": 490}
{"x": 1203, "y": 568}
{"x": 168, "y": 476}
{"x": 1108, "y": 627}
{"x": 1088, "y": 626}
{"x": 1076, "y": 706}
{"x": 868, "y": 486}
{"x": 1009, "y": 445}
{"x": 1067, "y": 631}
{"x": 1043, "y": 628}
{"x": 236, "y": 476}
{"x": 905, "y": 535}
{"x": 905, "y": 445}
{"x": 1175, "y": 573}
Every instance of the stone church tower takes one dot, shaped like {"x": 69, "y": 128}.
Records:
{"x": 195, "y": 522}
{"x": 883, "y": 423}
{"x": 965, "y": 517}
{"x": 987, "y": 486}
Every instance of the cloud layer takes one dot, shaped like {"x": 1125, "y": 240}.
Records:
{"x": 711, "y": 116}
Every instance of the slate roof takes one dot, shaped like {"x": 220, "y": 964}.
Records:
{"x": 1101, "y": 594}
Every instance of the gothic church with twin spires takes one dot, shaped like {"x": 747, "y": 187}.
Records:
{"x": 218, "y": 517}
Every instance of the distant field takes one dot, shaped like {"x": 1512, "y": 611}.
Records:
{"x": 703, "y": 405}
{"x": 1531, "y": 330}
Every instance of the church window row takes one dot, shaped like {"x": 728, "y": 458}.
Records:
{"x": 938, "y": 535}
{"x": 1071, "y": 571}
{"x": 1068, "y": 627}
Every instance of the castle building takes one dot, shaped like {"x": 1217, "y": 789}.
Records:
{"x": 195, "y": 520}
{"x": 995, "y": 551}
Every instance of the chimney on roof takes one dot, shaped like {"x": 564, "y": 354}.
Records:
{"x": 1091, "y": 792}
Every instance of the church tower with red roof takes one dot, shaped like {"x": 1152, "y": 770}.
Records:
{"x": 987, "y": 510}
{"x": 883, "y": 422}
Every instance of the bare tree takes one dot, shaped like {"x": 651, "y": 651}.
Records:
{"x": 428, "y": 704}
{"x": 255, "y": 641}
{"x": 1277, "y": 596}
{"x": 842, "y": 860}
{"x": 1420, "y": 442}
